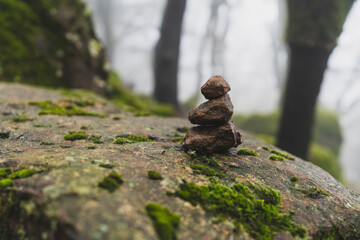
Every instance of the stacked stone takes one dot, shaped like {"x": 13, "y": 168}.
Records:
{"x": 215, "y": 134}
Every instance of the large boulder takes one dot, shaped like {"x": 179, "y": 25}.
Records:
{"x": 56, "y": 188}
{"x": 51, "y": 43}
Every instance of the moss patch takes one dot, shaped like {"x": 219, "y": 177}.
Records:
{"x": 182, "y": 129}
{"x": 111, "y": 182}
{"x": 154, "y": 175}
{"x": 275, "y": 157}
{"x": 5, "y": 135}
{"x": 4, "y": 183}
{"x": 131, "y": 139}
{"x": 312, "y": 192}
{"x": 211, "y": 162}
{"x": 246, "y": 151}
{"x": 294, "y": 179}
{"x": 178, "y": 139}
{"x": 95, "y": 139}
{"x": 4, "y": 172}
{"x": 21, "y": 118}
{"x": 259, "y": 215}
{"x": 24, "y": 173}
{"x": 47, "y": 143}
{"x": 282, "y": 154}
{"x": 164, "y": 221}
{"x": 65, "y": 146}
{"x": 65, "y": 109}
{"x": 106, "y": 165}
{"x": 73, "y": 135}
{"x": 266, "y": 148}
{"x": 207, "y": 171}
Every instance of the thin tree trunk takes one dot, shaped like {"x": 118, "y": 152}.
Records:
{"x": 167, "y": 53}
{"x": 307, "y": 66}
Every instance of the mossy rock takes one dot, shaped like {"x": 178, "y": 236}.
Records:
{"x": 51, "y": 43}
{"x": 64, "y": 198}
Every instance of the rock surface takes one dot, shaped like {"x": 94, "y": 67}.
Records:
{"x": 62, "y": 199}
{"x": 213, "y": 112}
{"x": 214, "y": 139}
{"x": 215, "y": 87}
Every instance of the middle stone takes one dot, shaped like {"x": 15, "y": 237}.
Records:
{"x": 216, "y": 111}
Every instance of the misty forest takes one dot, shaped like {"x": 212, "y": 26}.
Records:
{"x": 179, "y": 119}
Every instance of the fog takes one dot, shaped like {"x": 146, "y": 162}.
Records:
{"x": 253, "y": 58}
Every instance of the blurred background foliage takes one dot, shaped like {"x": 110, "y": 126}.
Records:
{"x": 326, "y": 141}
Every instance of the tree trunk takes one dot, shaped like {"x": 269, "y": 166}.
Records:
{"x": 167, "y": 53}
{"x": 312, "y": 31}
{"x": 307, "y": 66}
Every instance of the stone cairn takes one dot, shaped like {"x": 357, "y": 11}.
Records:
{"x": 215, "y": 134}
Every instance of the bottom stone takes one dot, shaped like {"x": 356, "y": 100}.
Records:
{"x": 212, "y": 139}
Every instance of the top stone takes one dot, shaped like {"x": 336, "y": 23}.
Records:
{"x": 215, "y": 87}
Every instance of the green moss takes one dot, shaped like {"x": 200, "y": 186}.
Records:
{"x": 269, "y": 195}
{"x": 275, "y": 157}
{"x": 4, "y": 135}
{"x": 106, "y": 165}
{"x": 315, "y": 192}
{"x": 82, "y": 102}
{"x": 257, "y": 210}
{"x": 66, "y": 109}
{"x": 164, "y": 221}
{"x": 178, "y": 139}
{"x": 207, "y": 171}
{"x": 40, "y": 125}
{"x": 111, "y": 182}
{"x": 281, "y": 154}
{"x": 84, "y": 128}
{"x": 131, "y": 139}
{"x": 294, "y": 179}
{"x": 4, "y": 172}
{"x": 65, "y": 146}
{"x": 95, "y": 139}
{"x": 312, "y": 192}
{"x": 24, "y": 173}
{"x": 47, "y": 143}
{"x": 91, "y": 147}
{"x": 116, "y": 118}
{"x": 182, "y": 129}
{"x": 265, "y": 148}
{"x": 211, "y": 162}
{"x": 192, "y": 153}
{"x": 4, "y": 183}
{"x": 122, "y": 140}
{"x": 330, "y": 234}
{"x": 73, "y": 135}
{"x": 246, "y": 151}
{"x": 154, "y": 175}
{"x": 21, "y": 118}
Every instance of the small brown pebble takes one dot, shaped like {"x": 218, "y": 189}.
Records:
{"x": 215, "y": 87}
{"x": 217, "y": 111}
